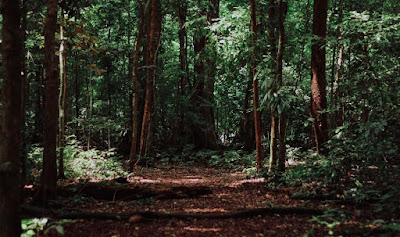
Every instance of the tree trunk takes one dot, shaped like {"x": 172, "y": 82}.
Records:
{"x": 279, "y": 74}
{"x": 135, "y": 130}
{"x": 338, "y": 95}
{"x": 25, "y": 98}
{"x": 48, "y": 179}
{"x": 62, "y": 98}
{"x": 109, "y": 104}
{"x": 318, "y": 81}
{"x": 10, "y": 136}
{"x": 257, "y": 113}
{"x": 274, "y": 136}
{"x": 202, "y": 95}
{"x": 38, "y": 131}
{"x": 77, "y": 96}
{"x": 183, "y": 77}
{"x": 89, "y": 112}
{"x": 246, "y": 133}
{"x": 152, "y": 41}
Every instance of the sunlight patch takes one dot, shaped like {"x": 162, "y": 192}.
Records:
{"x": 202, "y": 229}
{"x": 248, "y": 181}
{"x": 206, "y": 210}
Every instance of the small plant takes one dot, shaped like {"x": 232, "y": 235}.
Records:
{"x": 32, "y": 227}
{"x": 330, "y": 219}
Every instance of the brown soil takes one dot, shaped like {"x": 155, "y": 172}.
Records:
{"x": 231, "y": 192}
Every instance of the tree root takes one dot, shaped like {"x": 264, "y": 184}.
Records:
{"x": 245, "y": 213}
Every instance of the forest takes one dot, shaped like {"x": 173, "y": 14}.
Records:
{"x": 200, "y": 118}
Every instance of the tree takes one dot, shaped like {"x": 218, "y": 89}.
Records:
{"x": 202, "y": 96}
{"x": 257, "y": 113}
{"x": 62, "y": 98}
{"x": 273, "y": 151}
{"x": 183, "y": 81}
{"x": 279, "y": 74}
{"x": 135, "y": 111}
{"x": 10, "y": 136}
{"x": 153, "y": 38}
{"x": 318, "y": 80}
{"x": 48, "y": 179}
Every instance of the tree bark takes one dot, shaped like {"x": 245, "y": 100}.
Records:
{"x": 279, "y": 76}
{"x": 38, "y": 131}
{"x": 62, "y": 98}
{"x": 274, "y": 135}
{"x": 152, "y": 41}
{"x": 25, "y": 97}
{"x": 77, "y": 96}
{"x": 318, "y": 81}
{"x": 202, "y": 96}
{"x": 257, "y": 113}
{"x": 246, "y": 133}
{"x": 10, "y": 136}
{"x": 48, "y": 179}
{"x": 183, "y": 77}
{"x": 135, "y": 125}
{"x": 338, "y": 94}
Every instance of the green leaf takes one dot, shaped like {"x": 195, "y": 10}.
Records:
{"x": 60, "y": 229}
{"x": 393, "y": 226}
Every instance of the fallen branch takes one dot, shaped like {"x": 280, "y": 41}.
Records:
{"x": 245, "y": 213}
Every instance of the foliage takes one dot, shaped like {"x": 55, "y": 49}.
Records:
{"x": 36, "y": 226}
{"x": 330, "y": 219}
{"x": 92, "y": 164}
{"x": 232, "y": 159}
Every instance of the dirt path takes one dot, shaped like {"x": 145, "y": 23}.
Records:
{"x": 231, "y": 192}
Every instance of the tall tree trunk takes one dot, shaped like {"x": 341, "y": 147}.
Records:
{"x": 48, "y": 179}
{"x": 211, "y": 69}
{"x": 89, "y": 112}
{"x": 152, "y": 41}
{"x": 338, "y": 95}
{"x": 135, "y": 125}
{"x": 183, "y": 77}
{"x": 10, "y": 136}
{"x": 38, "y": 123}
{"x": 279, "y": 74}
{"x": 109, "y": 104}
{"x": 62, "y": 98}
{"x": 318, "y": 81}
{"x": 257, "y": 113}
{"x": 77, "y": 96}
{"x": 202, "y": 96}
{"x": 274, "y": 136}
{"x": 246, "y": 133}
{"x": 24, "y": 94}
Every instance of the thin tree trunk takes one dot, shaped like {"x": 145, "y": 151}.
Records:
{"x": 109, "y": 104}
{"x": 183, "y": 78}
{"x": 246, "y": 132}
{"x": 24, "y": 94}
{"x": 90, "y": 109}
{"x": 257, "y": 113}
{"x": 274, "y": 136}
{"x": 48, "y": 179}
{"x": 338, "y": 95}
{"x": 38, "y": 131}
{"x": 279, "y": 74}
{"x": 10, "y": 128}
{"x": 62, "y": 98}
{"x": 135, "y": 130}
{"x": 77, "y": 96}
{"x": 318, "y": 81}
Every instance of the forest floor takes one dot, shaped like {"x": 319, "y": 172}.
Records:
{"x": 201, "y": 201}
